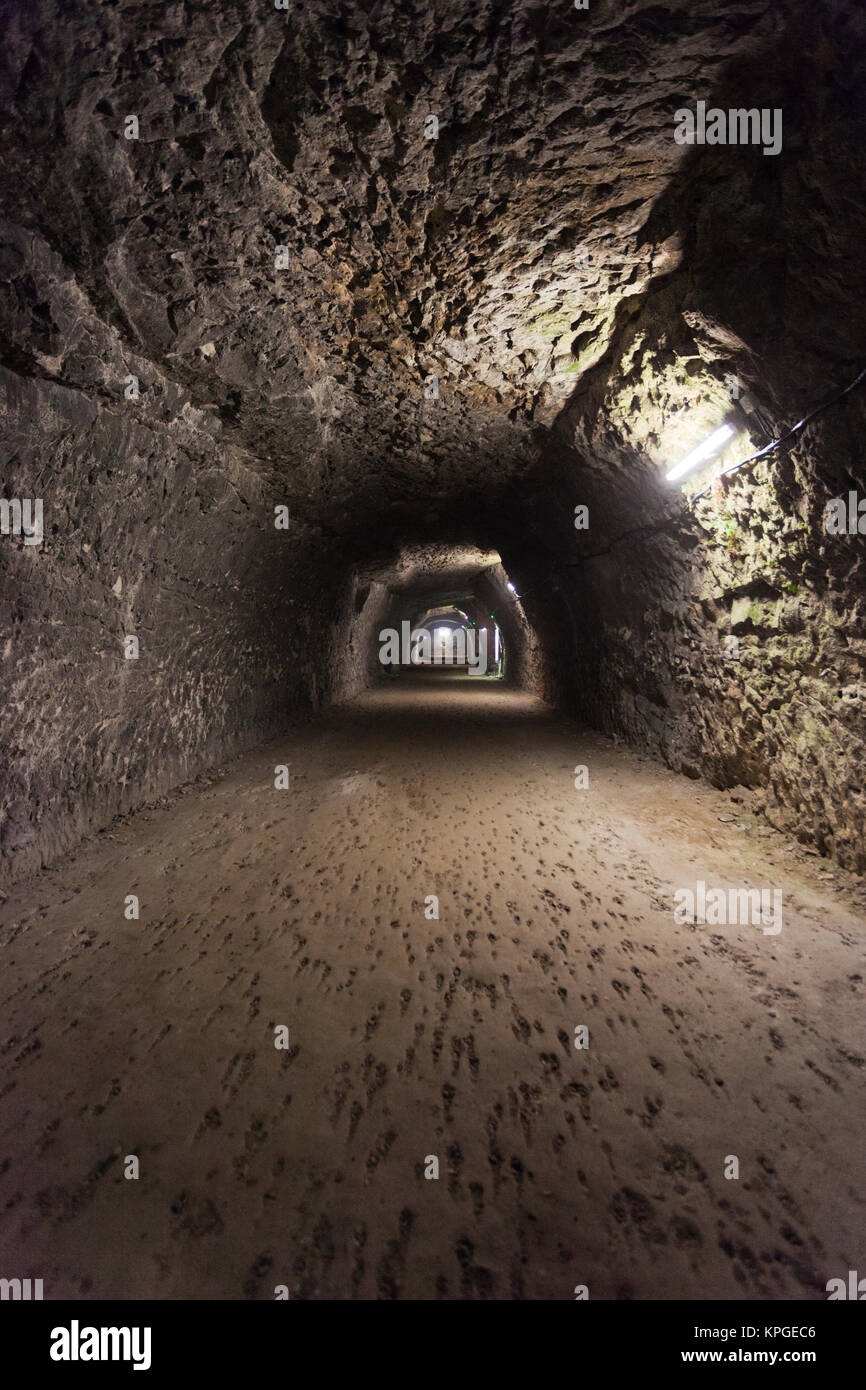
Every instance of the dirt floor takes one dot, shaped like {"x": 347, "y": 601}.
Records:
{"x": 411, "y": 1037}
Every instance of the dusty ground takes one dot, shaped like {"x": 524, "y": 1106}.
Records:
{"x": 413, "y": 1037}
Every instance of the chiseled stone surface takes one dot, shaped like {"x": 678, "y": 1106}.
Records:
{"x": 283, "y": 259}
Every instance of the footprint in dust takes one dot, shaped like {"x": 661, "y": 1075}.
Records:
{"x": 475, "y": 1280}
{"x": 373, "y": 1021}
{"x": 390, "y": 1271}
{"x": 197, "y": 1216}
{"x": 380, "y": 1149}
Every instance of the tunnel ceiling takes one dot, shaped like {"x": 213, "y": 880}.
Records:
{"x": 494, "y": 257}
{"x": 422, "y": 567}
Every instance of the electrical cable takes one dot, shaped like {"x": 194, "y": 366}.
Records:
{"x": 795, "y": 429}
{"x": 734, "y": 468}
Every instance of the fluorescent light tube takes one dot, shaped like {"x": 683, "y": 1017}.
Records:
{"x": 703, "y": 451}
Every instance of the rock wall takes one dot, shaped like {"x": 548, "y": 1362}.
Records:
{"x": 153, "y": 528}
{"x": 752, "y": 316}
{"x": 782, "y": 709}
{"x": 659, "y": 594}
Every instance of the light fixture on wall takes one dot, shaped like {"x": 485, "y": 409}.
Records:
{"x": 703, "y": 451}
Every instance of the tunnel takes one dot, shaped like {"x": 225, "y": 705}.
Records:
{"x": 433, "y": 821}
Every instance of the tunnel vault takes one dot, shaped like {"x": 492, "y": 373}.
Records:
{"x": 428, "y": 344}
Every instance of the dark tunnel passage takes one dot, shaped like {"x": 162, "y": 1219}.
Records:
{"x": 434, "y": 626}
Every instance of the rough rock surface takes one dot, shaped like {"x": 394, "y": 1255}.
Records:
{"x": 283, "y": 259}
